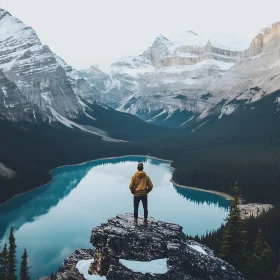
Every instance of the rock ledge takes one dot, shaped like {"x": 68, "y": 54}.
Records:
{"x": 119, "y": 239}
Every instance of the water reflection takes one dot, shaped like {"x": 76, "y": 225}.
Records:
{"x": 201, "y": 197}
{"x": 26, "y": 207}
{"x": 53, "y": 221}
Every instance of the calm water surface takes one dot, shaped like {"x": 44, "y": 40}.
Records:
{"x": 52, "y": 221}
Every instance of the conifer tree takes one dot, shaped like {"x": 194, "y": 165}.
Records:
{"x": 234, "y": 237}
{"x": 261, "y": 261}
{"x": 24, "y": 268}
{"x": 12, "y": 256}
{"x": 4, "y": 263}
{"x": 277, "y": 274}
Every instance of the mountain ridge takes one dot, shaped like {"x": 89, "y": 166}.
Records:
{"x": 207, "y": 77}
{"x": 39, "y": 87}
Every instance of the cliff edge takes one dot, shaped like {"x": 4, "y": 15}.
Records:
{"x": 159, "y": 251}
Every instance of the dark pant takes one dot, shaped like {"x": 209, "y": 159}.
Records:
{"x": 144, "y": 200}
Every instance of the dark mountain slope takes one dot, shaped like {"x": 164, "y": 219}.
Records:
{"x": 240, "y": 147}
{"x": 33, "y": 150}
{"x": 120, "y": 125}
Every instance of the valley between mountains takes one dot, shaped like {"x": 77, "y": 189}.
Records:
{"x": 211, "y": 108}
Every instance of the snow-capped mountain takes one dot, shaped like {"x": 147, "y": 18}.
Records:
{"x": 38, "y": 86}
{"x": 43, "y": 79}
{"x": 174, "y": 82}
{"x": 168, "y": 78}
{"x": 256, "y": 74}
{"x": 33, "y": 68}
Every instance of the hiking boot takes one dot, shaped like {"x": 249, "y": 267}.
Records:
{"x": 145, "y": 223}
{"x": 135, "y": 222}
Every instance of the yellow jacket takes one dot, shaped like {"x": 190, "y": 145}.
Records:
{"x": 140, "y": 184}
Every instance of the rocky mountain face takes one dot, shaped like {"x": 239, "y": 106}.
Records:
{"x": 254, "y": 76}
{"x": 159, "y": 251}
{"x": 13, "y": 105}
{"x": 79, "y": 85}
{"x": 41, "y": 82}
{"x": 37, "y": 86}
{"x": 176, "y": 82}
{"x": 169, "y": 78}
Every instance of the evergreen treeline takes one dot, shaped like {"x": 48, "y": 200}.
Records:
{"x": 233, "y": 241}
{"x": 32, "y": 151}
{"x": 8, "y": 262}
{"x": 254, "y": 257}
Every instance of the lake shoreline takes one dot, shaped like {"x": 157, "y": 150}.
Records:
{"x": 222, "y": 194}
{"x": 247, "y": 209}
{"x": 82, "y": 193}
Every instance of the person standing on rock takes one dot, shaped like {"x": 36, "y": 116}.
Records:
{"x": 140, "y": 185}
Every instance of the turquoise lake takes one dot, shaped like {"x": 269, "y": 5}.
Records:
{"x": 53, "y": 221}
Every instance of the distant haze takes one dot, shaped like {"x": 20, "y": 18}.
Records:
{"x": 89, "y": 32}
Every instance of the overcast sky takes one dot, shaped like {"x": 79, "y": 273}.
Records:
{"x": 85, "y": 32}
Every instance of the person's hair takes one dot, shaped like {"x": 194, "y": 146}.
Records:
{"x": 140, "y": 166}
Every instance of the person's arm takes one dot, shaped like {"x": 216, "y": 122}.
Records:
{"x": 149, "y": 184}
{"x": 132, "y": 184}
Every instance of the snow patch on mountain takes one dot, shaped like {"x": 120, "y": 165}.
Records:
{"x": 221, "y": 41}
{"x": 89, "y": 129}
{"x": 224, "y": 66}
{"x": 6, "y": 171}
{"x": 189, "y": 38}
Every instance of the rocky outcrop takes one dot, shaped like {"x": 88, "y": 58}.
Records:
{"x": 118, "y": 243}
{"x": 264, "y": 40}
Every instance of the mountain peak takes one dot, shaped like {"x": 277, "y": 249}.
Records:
{"x": 36, "y": 73}
{"x": 11, "y": 27}
{"x": 161, "y": 39}
{"x": 3, "y": 12}
{"x": 269, "y": 29}
{"x": 263, "y": 40}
